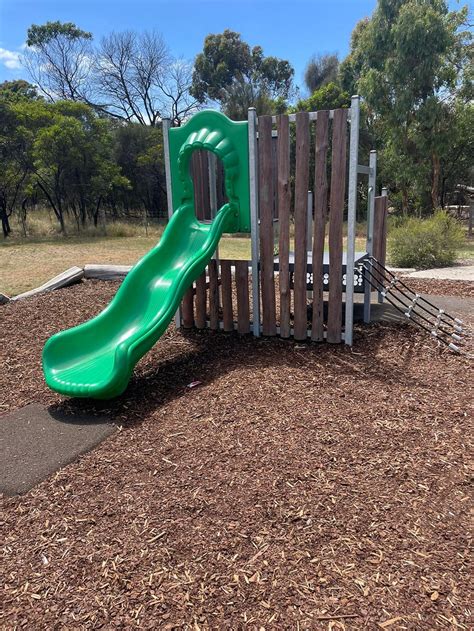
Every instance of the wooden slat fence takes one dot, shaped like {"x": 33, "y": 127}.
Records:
{"x": 220, "y": 298}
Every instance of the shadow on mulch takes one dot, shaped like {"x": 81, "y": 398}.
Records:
{"x": 221, "y": 353}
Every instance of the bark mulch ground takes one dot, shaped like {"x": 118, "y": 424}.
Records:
{"x": 297, "y": 486}
{"x": 461, "y": 288}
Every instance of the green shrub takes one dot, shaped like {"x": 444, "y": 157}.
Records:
{"x": 425, "y": 243}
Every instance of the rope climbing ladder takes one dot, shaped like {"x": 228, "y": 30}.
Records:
{"x": 416, "y": 308}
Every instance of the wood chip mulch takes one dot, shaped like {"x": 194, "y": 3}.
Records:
{"x": 441, "y": 287}
{"x": 297, "y": 486}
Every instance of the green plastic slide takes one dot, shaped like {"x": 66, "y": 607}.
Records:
{"x": 97, "y": 358}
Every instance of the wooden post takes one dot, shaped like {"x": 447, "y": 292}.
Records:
{"x": 226, "y": 289}
{"x": 266, "y": 224}
{"x": 320, "y": 217}
{"x": 187, "y": 309}
{"x": 380, "y": 234}
{"x": 242, "y": 286}
{"x": 213, "y": 295}
{"x": 336, "y": 216}
{"x": 284, "y": 203}
{"x": 301, "y": 208}
{"x": 201, "y": 301}
{"x": 200, "y": 174}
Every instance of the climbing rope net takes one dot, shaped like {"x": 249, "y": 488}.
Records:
{"x": 440, "y": 325}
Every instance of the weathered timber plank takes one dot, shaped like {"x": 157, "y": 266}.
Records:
{"x": 301, "y": 209}
{"x": 68, "y": 277}
{"x": 319, "y": 227}
{"x": 242, "y": 287}
{"x": 200, "y": 303}
{"x": 106, "y": 272}
{"x": 383, "y": 249}
{"x": 200, "y": 176}
{"x": 187, "y": 309}
{"x": 266, "y": 198}
{"x": 379, "y": 233}
{"x": 226, "y": 290}
{"x": 284, "y": 203}
{"x": 213, "y": 295}
{"x": 336, "y": 215}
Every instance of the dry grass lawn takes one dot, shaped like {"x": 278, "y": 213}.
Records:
{"x": 25, "y": 265}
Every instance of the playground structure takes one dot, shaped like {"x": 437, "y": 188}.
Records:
{"x": 304, "y": 273}
{"x": 96, "y": 359}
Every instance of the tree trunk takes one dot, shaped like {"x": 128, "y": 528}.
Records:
{"x": 23, "y": 215}
{"x": 436, "y": 170}
{"x": 5, "y": 225}
{"x": 404, "y": 200}
{"x": 443, "y": 193}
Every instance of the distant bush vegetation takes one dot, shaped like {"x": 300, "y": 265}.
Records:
{"x": 425, "y": 243}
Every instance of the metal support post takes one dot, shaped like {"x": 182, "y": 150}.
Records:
{"x": 351, "y": 217}
{"x": 253, "y": 181}
{"x": 169, "y": 195}
{"x": 370, "y": 227}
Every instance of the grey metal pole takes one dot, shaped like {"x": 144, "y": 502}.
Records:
{"x": 370, "y": 227}
{"x": 254, "y": 227}
{"x": 169, "y": 194}
{"x": 351, "y": 218}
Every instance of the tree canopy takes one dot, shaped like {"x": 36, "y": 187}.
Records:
{"x": 410, "y": 63}
{"x": 84, "y": 137}
{"x": 128, "y": 76}
{"x": 321, "y": 70}
{"x": 237, "y": 77}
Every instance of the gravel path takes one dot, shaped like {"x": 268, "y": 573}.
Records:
{"x": 298, "y": 486}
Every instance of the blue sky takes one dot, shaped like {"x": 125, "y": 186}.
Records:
{"x": 291, "y": 29}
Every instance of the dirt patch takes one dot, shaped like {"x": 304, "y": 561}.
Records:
{"x": 298, "y": 484}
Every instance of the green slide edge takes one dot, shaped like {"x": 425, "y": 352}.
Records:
{"x": 123, "y": 335}
{"x": 128, "y": 353}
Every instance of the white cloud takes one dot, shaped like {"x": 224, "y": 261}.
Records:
{"x": 10, "y": 59}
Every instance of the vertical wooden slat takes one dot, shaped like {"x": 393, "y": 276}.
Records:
{"x": 242, "y": 286}
{"x": 379, "y": 234}
{"x": 320, "y": 216}
{"x": 226, "y": 289}
{"x": 220, "y": 184}
{"x": 200, "y": 175}
{"x": 301, "y": 209}
{"x": 336, "y": 216}
{"x": 200, "y": 317}
{"x": 266, "y": 224}
{"x": 284, "y": 203}
{"x": 213, "y": 296}
{"x": 377, "y": 229}
{"x": 383, "y": 249}
{"x": 187, "y": 309}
